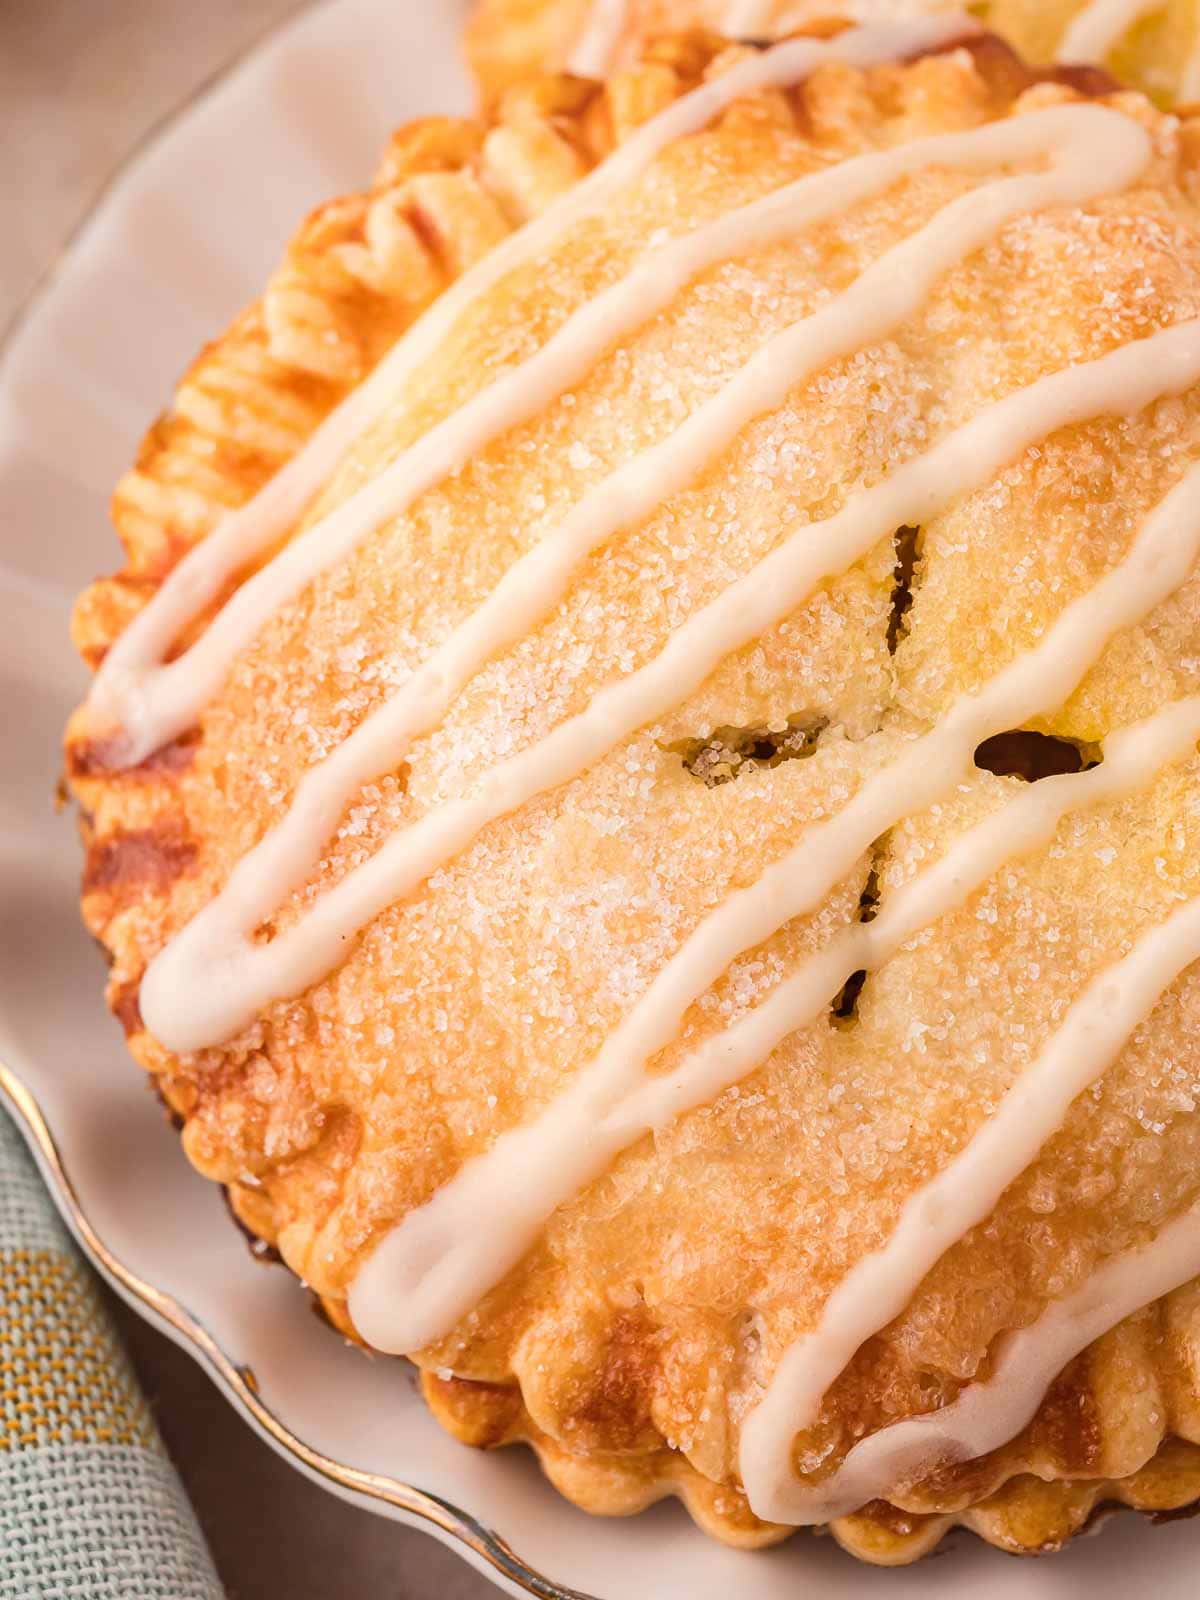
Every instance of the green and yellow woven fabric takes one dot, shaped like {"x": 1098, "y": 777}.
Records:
{"x": 90, "y": 1507}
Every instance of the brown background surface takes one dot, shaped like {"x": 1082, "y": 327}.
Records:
{"x": 81, "y": 82}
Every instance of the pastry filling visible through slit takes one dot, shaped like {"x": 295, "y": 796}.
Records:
{"x": 845, "y": 1006}
{"x": 214, "y": 978}
{"x": 728, "y": 752}
{"x": 1025, "y": 753}
{"x": 907, "y": 546}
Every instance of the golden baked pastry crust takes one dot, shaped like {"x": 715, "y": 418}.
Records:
{"x": 626, "y": 1345}
{"x": 511, "y": 41}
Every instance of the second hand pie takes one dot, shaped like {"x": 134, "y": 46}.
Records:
{"x": 1151, "y": 44}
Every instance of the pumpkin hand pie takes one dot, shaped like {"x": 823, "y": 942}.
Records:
{"x": 641, "y": 782}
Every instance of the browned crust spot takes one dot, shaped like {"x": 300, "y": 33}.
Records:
{"x": 615, "y": 1403}
{"x": 1003, "y": 69}
{"x": 1067, "y": 1423}
{"x": 124, "y": 1006}
{"x": 129, "y": 863}
{"x": 102, "y": 757}
{"x": 887, "y": 1516}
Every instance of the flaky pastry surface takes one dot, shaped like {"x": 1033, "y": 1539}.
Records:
{"x": 632, "y": 1340}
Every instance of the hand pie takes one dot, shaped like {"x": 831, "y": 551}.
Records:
{"x": 641, "y": 788}
{"x": 1153, "y": 44}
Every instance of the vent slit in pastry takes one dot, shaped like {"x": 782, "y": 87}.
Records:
{"x": 728, "y": 752}
{"x": 845, "y": 1006}
{"x": 907, "y": 545}
{"x": 1026, "y": 753}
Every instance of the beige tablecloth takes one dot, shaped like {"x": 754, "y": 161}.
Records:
{"x": 80, "y": 83}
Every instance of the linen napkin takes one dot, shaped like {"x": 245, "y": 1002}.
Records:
{"x": 90, "y": 1506}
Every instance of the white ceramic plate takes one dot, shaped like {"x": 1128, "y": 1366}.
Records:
{"x": 184, "y": 238}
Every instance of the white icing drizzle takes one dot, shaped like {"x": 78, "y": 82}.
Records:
{"x": 596, "y": 50}
{"x": 150, "y": 700}
{"x": 943, "y": 1212}
{"x": 748, "y": 19}
{"x": 1094, "y": 31}
{"x": 212, "y": 979}
{"x": 988, "y": 1415}
{"x": 1188, "y": 92}
{"x": 437, "y": 1262}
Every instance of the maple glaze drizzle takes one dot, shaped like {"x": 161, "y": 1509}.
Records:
{"x": 211, "y": 979}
